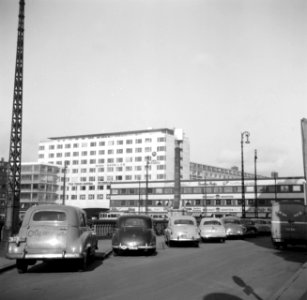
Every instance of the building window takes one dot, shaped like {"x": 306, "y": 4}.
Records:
{"x": 119, "y": 151}
{"x": 92, "y": 161}
{"x": 83, "y": 161}
{"x": 84, "y": 153}
{"x": 67, "y": 146}
{"x": 93, "y": 144}
{"x": 161, "y": 176}
{"x": 110, "y": 143}
{"x": 110, "y": 169}
{"x": 110, "y": 160}
{"x": 161, "y": 139}
{"x": 101, "y": 160}
{"x": 128, "y": 177}
{"x": 148, "y": 140}
{"x": 129, "y": 168}
{"x": 59, "y": 155}
{"x": 101, "y": 169}
{"x": 102, "y": 143}
{"x": 129, "y": 142}
{"x": 148, "y": 149}
{"x": 75, "y": 154}
{"x": 82, "y": 197}
{"x": 100, "y": 196}
{"x": 138, "y": 168}
{"x": 92, "y": 152}
{"x": 161, "y": 148}
{"x": 161, "y": 167}
{"x": 59, "y": 146}
{"x": 101, "y": 152}
{"x": 91, "y": 178}
{"x": 100, "y": 178}
{"x": 138, "y": 158}
{"x": 138, "y": 141}
{"x": 161, "y": 157}
{"x": 75, "y": 162}
{"x": 83, "y": 170}
{"x": 91, "y": 197}
{"x": 75, "y": 145}
{"x": 119, "y": 159}
{"x": 129, "y": 159}
{"x": 110, "y": 151}
{"x": 42, "y": 148}
{"x": 129, "y": 150}
{"x": 120, "y": 142}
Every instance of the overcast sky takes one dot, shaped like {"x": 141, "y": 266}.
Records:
{"x": 214, "y": 68}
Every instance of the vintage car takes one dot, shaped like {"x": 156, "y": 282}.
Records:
{"x": 182, "y": 228}
{"x": 52, "y": 232}
{"x": 134, "y": 232}
{"x": 234, "y": 227}
{"x": 263, "y": 226}
{"x": 251, "y": 228}
{"x": 212, "y": 229}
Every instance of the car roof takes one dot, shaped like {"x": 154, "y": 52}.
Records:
{"x": 71, "y": 211}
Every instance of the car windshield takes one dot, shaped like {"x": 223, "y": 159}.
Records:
{"x": 183, "y": 222}
{"x": 232, "y": 221}
{"x": 49, "y": 216}
{"x": 213, "y": 222}
{"x": 135, "y": 222}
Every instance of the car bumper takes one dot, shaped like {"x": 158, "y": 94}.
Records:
{"x": 62, "y": 255}
{"x": 133, "y": 247}
{"x": 213, "y": 236}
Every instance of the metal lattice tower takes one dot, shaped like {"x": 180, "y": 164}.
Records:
{"x": 14, "y": 172}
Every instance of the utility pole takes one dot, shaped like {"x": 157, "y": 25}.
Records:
{"x": 64, "y": 182}
{"x": 11, "y": 226}
{"x": 256, "y": 200}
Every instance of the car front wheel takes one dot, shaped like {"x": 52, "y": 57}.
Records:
{"x": 22, "y": 266}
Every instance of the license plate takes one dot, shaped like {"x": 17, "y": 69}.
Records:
{"x": 133, "y": 247}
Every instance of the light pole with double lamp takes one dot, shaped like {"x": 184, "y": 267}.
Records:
{"x": 246, "y": 135}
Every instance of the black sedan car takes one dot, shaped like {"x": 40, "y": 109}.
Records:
{"x": 132, "y": 233}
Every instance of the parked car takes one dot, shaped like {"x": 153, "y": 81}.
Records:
{"x": 134, "y": 232}
{"x": 182, "y": 229}
{"x": 52, "y": 232}
{"x": 234, "y": 227}
{"x": 251, "y": 229}
{"x": 263, "y": 226}
{"x": 212, "y": 228}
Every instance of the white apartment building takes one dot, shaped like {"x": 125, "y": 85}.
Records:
{"x": 94, "y": 161}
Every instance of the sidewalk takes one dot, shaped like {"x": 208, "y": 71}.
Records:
{"x": 104, "y": 250}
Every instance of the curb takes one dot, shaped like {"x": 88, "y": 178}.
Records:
{"x": 288, "y": 284}
{"x": 7, "y": 267}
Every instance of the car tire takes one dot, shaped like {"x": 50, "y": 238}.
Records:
{"x": 222, "y": 240}
{"x": 84, "y": 261}
{"x": 22, "y": 266}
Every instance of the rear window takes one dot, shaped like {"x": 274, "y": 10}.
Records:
{"x": 183, "y": 222}
{"x": 212, "y": 223}
{"x": 49, "y": 216}
{"x": 135, "y": 222}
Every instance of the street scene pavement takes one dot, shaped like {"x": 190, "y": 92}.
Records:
{"x": 290, "y": 288}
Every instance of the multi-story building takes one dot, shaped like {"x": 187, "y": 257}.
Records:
{"x": 201, "y": 171}
{"x": 207, "y": 197}
{"x": 93, "y": 162}
{"x": 40, "y": 183}
{"x": 3, "y": 186}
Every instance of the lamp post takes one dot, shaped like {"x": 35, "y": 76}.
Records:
{"x": 246, "y": 135}
{"x": 64, "y": 182}
{"x": 146, "y": 187}
{"x": 256, "y": 200}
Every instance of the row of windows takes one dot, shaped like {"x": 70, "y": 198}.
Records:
{"x": 102, "y": 143}
{"x": 196, "y": 202}
{"x": 109, "y": 160}
{"x": 103, "y": 152}
{"x": 216, "y": 190}
{"x": 85, "y": 197}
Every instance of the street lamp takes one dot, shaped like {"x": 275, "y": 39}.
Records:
{"x": 256, "y": 200}
{"x": 246, "y": 135}
{"x": 146, "y": 187}
{"x": 64, "y": 182}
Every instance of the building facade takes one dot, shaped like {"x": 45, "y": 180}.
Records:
{"x": 4, "y": 165}
{"x": 40, "y": 184}
{"x": 92, "y": 163}
{"x": 202, "y": 171}
{"x": 208, "y": 197}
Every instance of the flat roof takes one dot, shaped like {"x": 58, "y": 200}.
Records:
{"x": 120, "y": 133}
